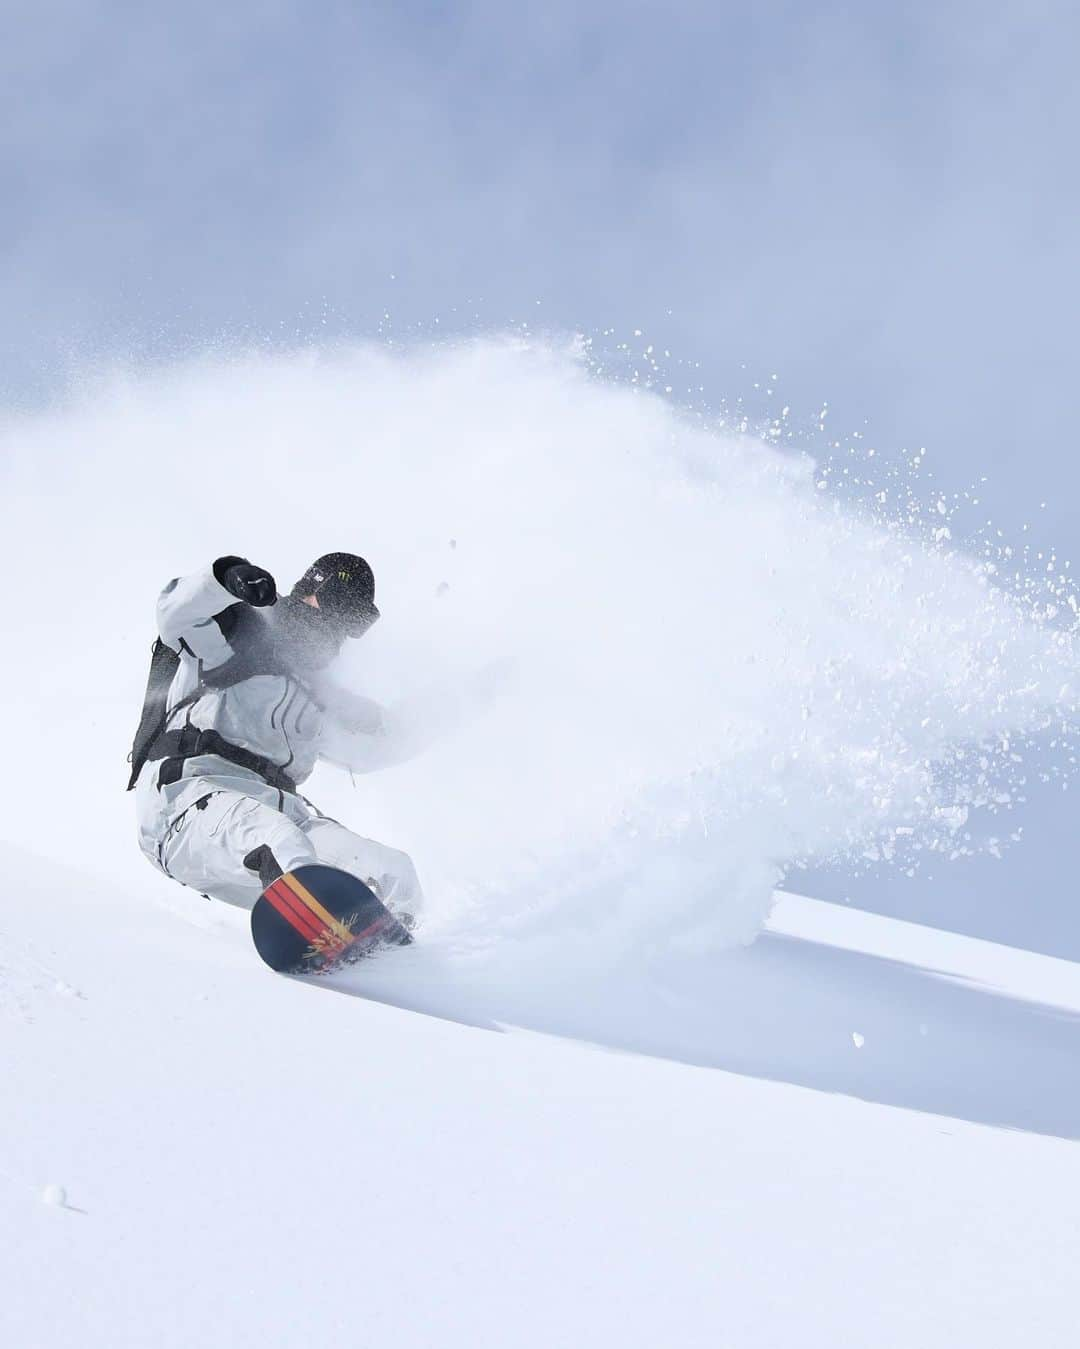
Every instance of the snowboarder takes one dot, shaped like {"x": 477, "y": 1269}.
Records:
{"x": 238, "y": 709}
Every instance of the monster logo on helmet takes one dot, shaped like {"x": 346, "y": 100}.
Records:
{"x": 344, "y": 586}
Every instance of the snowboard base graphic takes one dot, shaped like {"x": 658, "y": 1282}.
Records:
{"x": 317, "y": 918}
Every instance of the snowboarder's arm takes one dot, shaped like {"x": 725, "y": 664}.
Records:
{"x": 370, "y": 737}
{"x": 360, "y": 735}
{"x": 189, "y": 606}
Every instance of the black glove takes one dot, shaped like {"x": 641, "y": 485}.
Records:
{"x": 253, "y": 585}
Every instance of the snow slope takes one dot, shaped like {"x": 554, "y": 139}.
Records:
{"x": 661, "y": 664}
{"x": 249, "y": 1160}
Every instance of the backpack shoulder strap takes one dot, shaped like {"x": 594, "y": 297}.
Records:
{"x": 164, "y": 663}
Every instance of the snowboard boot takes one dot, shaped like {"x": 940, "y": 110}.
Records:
{"x": 262, "y": 861}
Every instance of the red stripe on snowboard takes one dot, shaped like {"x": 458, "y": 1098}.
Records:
{"x": 295, "y": 914}
{"x": 377, "y": 926}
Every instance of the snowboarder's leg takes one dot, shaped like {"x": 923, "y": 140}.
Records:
{"x": 207, "y": 845}
{"x": 390, "y": 873}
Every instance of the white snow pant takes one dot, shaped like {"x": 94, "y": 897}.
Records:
{"x": 205, "y": 845}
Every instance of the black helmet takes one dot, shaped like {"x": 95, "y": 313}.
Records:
{"x": 344, "y": 585}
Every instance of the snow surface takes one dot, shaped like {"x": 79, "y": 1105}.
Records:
{"x": 662, "y": 667}
{"x": 249, "y": 1160}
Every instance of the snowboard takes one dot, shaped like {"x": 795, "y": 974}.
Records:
{"x": 316, "y": 919}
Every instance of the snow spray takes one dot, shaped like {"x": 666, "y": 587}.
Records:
{"x": 659, "y": 662}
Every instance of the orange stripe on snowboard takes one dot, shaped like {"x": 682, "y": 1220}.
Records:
{"x": 336, "y": 926}
{"x": 298, "y": 918}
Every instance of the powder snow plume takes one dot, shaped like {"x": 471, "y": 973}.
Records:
{"x": 661, "y": 665}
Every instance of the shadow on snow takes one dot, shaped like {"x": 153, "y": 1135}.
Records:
{"x": 788, "y": 1010}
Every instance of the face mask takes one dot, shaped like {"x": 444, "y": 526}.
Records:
{"x": 310, "y": 639}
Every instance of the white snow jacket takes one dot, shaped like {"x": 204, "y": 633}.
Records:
{"x": 256, "y": 676}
